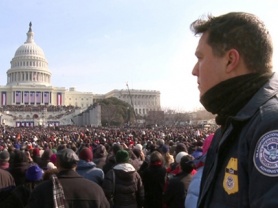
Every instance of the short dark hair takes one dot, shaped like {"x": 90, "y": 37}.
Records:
{"x": 187, "y": 164}
{"x": 242, "y": 31}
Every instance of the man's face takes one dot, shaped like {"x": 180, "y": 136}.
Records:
{"x": 209, "y": 69}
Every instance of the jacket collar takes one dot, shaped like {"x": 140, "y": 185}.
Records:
{"x": 269, "y": 90}
{"x": 68, "y": 174}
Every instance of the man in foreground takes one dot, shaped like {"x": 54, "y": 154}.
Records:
{"x": 234, "y": 71}
{"x": 68, "y": 189}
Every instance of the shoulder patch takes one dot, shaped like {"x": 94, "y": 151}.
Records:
{"x": 265, "y": 157}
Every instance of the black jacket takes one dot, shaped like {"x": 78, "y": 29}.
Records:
{"x": 154, "y": 180}
{"x": 129, "y": 190}
{"x": 241, "y": 168}
{"x": 79, "y": 192}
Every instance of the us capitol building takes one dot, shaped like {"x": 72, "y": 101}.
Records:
{"x": 29, "y": 99}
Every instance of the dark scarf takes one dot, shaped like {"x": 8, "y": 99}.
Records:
{"x": 228, "y": 97}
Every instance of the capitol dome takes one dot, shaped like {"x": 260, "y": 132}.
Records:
{"x": 29, "y": 65}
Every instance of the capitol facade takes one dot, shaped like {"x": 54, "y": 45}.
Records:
{"x": 29, "y": 99}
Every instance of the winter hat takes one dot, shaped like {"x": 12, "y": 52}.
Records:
{"x": 4, "y": 156}
{"x": 138, "y": 146}
{"x": 50, "y": 166}
{"x": 86, "y": 154}
{"x": 17, "y": 146}
{"x": 36, "y": 152}
{"x": 53, "y": 158}
{"x": 34, "y": 173}
{"x": 122, "y": 156}
{"x": 180, "y": 155}
{"x": 164, "y": 149}
{"x": 67, "y": 158}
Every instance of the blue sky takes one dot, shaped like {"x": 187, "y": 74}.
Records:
{"x": 100, "y": 45}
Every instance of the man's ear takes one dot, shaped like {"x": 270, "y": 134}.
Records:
{"x": 232, "y": 57}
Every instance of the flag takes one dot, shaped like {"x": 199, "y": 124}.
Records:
{"x": 38, "y": 97}
{"x": 26, "y": 97}
{"x": 32, "y": 97}
{"x": 46, "y": 97}
{"x": 17, "y": 97}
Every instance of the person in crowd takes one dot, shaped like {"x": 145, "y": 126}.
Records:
{"x": 7, "y": 184}
{"x": 146, "y": 162}
{"x": 236, "y": 83}
{"x": 68, "y": 188}
{"x": 122, "y": 185}
{"x": 177, "y": 186}
{"x": 111, "y": 159}
{"x": 194, "y": 186}
{"x": 11, "y": 150}
{"x": 159, "y": 144}
{"x": 138, "y": 151}
{"x": 19, "y": 167}
{"x": 19, "y": 196}
{"x": 45, "y": 158}
{"x": 154, "y": 180}
{"x": 133, "y": 159}
{"x": 100, "y": 155}
{"x": 87, "y": 168}
{"x": 52, "y": 162}
{"x": 167, "y": 157}
{"x": 170, "y": 172}
{"x": 36, "y": 155}
{"x": 4, "y": 160}
{"x": 180, "y": 147}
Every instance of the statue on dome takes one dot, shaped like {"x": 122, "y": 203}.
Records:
{"x": 30, "y": 27}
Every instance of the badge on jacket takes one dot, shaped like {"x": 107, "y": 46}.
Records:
{"x": 265, "y": 156}
{"x": 230, "y": 182}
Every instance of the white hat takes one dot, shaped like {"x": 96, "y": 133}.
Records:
{"x": 138, "y": 146}
{"x": 180, "y": 155}
{"x": 50, "y": 166}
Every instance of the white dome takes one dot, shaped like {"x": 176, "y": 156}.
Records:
{"x": 29, "y": 65}
{"x": 29, "y": 49}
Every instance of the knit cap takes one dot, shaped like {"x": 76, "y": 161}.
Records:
{"x": 53, "y": 158}
{"x": 36, "y": 152}
{"x": 34, "y": 173}
{"x": 122, "y": 156}
{"x": 86, "y": 154}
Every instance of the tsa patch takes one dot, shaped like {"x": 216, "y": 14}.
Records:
{"x": 266, "y": 154}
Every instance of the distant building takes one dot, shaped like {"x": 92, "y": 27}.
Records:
{"x": 29, "y": 85}
{"x": 143, "y": 101}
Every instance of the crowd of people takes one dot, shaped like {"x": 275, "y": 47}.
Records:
{"x": 131, "y": 167}
{"x": 234, "y": 166}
